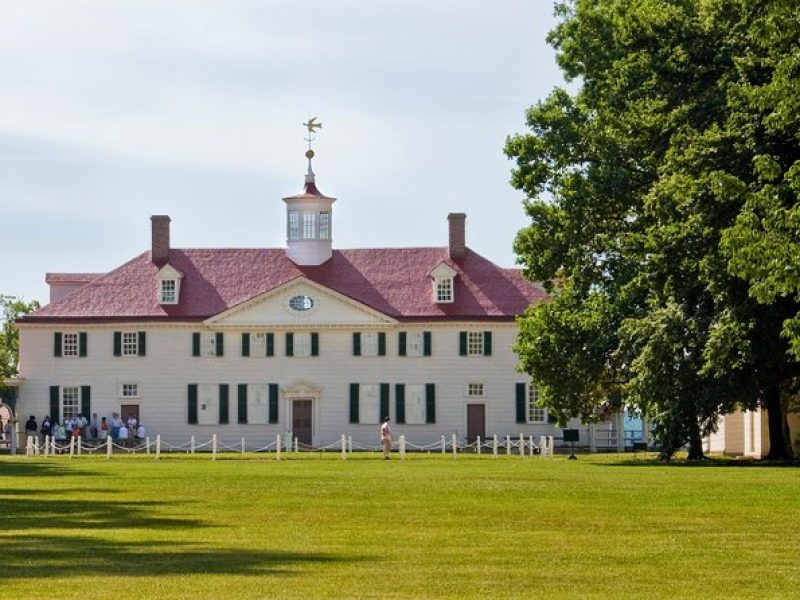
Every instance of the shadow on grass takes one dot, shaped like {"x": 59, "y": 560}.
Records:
{"x": 32, "y": 469}
{"x": 40, "y": 556}
{"x": 712, "y": 462}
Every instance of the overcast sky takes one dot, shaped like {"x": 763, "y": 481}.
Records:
{"x": 112, "y": 111}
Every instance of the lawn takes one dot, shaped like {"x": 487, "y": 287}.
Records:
{"x": 430, "y": 526}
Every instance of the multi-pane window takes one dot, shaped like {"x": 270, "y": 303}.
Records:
{"x": 324, "y": 225}
{"x": 444, "y": 289}
{"x": 130, "y": 343}
{"x": 369, "y": 403}
{"x": 258, "y": 403}
{"x": 258, "y": 344}
{"x": 474, "y": 343}
{"x": 475, "y": 390}
{"x": 415, "y": 404}
{"x": 208, "y": 344}
{"x": 309, "y": 225}
{"x": 208, "y": 404}
{"x": 294, "y": 225}
{"x": 369, "y": 344}
{"x": 69, "y": 344}
{"x": 536, "y": 413}
{"x": 130, "y": 390}
{"x": 168, "y": 291}
{"x": 415, "y": 344}
{"x": 70, "y": 402}
{"x": 302, "y": 344}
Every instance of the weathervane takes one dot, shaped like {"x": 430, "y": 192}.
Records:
{"x": 312, "y": 127}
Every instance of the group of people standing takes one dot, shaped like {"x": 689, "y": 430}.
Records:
{"x": 97, "y": 429}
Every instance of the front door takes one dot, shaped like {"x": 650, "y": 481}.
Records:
{"x": 301, "y": 421}
{"x": 476, "y": 422}
{"x": 125, "y": 411}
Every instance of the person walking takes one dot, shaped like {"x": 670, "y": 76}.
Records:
{"x": 386, "y": 438}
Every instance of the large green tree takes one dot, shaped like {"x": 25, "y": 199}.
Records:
{"x": 11, "y": 309}
{"x": 632, "y": 183}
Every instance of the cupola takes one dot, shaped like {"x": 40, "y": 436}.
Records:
{"x": 309, "y": 222}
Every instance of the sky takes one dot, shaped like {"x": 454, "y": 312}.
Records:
{"x": 112, "y": 111}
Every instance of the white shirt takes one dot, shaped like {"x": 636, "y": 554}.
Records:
{"x": 123, "y": 433}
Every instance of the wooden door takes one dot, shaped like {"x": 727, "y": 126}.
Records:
{"x": 476, "y": 422}
{"x": 125, "y": 411}
{"x": 301, "y": 421}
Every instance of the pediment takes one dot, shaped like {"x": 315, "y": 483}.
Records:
{"x": 169, "y": 272}
{"x": 302, "y": 388}
{"x": 300, "y": 303}
{"x": 443, "y": 270}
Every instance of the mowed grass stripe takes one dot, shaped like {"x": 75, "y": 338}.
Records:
{"x": 432, "y": 526}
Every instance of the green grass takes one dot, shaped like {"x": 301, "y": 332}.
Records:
{"x": 430, "y": 526}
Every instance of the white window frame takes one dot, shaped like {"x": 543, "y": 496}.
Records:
{"x": 168, "y": 291}
{"x": 324, "y": 225}
{"x": 70, "y": 396}
{"x": 309, "y": 226}
{"x": 444, "y": 290}
{"x": 258, "y": 403}
{"x": 129, "y": 390}
{"x": 476, "y": 389}
{"x": 208, "y": 343}
{"x": 415, "y": 343}
{"x": 301, "y": 344}
{"x": 70, "y": 345}
{"x": 475, "y": 343}
{"x": 534, "y": 414}
{"x": 369, "y": 343}
{"x": 369, "y": 403}
{"x": 293, "y": 225}
{"x": 130, "y": 343}
{"x": 416, "y": 407}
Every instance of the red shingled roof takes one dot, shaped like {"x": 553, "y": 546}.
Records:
{"x": 394, "y": 281}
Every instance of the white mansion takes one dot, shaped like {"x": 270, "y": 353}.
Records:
{"x": 303, "y": 339}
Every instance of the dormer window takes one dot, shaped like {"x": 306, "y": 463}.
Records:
{"x": 169, "y": 285}
{"x": 443, "y": 285}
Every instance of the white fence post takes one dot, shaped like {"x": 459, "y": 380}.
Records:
{"x": 454, "y": 444}
{"x": 71, "y": 446}
{"x": 35, "y": 446}
{"x": 29, "y": 447}
{"x": 191, "y": 445}
{"x": 147, "y": 445}
{"x": 242, "y": 445}
{"x": 80, "y": 444}
{"x": 444, "y": 446}
{"x": 494, "y": 445}
{"x": 108, "y": 447}
{"x": 508, "y": 446}
{"x": 403, "y": 447}
{"x": 530, "y": 445}
{"x": 542, "y": 446}
{"x": 278, "y": 448}
{"x": 46, "y": 445}
{"x": 296, "y": 445}
{"x": 214, "y": 447}
{"x": 350, "y": 444}
{"x": 478, "y": 445}
{"x": 551, "y": 445}
{"x": 344, "y": 447}
{"x": 521, "y": 445}
{"x": 53, "y": 446}
{"x": 158, "y": 447}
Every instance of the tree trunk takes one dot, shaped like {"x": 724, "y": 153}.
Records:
{"x": 780, "y": 447}
{"x": 695, "y": 441}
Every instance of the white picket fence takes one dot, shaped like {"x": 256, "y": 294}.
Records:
{"x": 521, "y": 446}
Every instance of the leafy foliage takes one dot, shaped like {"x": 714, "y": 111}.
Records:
{"x": 12, "y": 309}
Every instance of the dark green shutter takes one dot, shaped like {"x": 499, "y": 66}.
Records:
{"x": 400, "y": 402}
{"x": 462, "y": 343}
{"x": 242, "y": 403}
{"x": 354, "y": 402}
{"x": 487, "y": 343}
{"x": 245, "y": 344}
{"x": 401, "y": 343}
{"x": 117, "y": 343}
{"x": 314, "y": 344}
{"x": 57, "y": 345}
{"x": 223, "y": 403}
{"x": 195, "y": 349}
{"x": 142, "y": 343}
{"x": 520, "y": 403}
{"x": 356, "y": 344}
{"x": 86, "y": 401}
{"x": 384, "y": 401}
{"x": 430, "y": 403}
{"x": 381, "y": 343}
{"x": 192, "y": 403}
{"x": 55, "y": 413}
{"x": 426, "y": 343}
{"x": 82, "y": 343}
{"x": 273, "y": 402}
{"x": 289, "y": 344}
{"x": 270, "y": 344}
{"x": 220, "y": 344}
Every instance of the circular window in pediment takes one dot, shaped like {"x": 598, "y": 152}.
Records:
{"x": 301, "y": 303}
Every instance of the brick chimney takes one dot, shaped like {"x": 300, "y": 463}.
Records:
{"x": 458, "y": 235}
{"x": 160, "y": 241}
